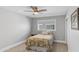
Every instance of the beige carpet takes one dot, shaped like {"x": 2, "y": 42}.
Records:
{"x": 57, "y": 47}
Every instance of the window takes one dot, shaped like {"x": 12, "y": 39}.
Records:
{"x": 47, "y": 26}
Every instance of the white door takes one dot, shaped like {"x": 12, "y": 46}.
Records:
{"x": 67, "y": 29}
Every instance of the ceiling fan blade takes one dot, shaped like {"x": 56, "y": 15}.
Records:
{"x": 42, "y": 10}
{"x": 34, "y": 8}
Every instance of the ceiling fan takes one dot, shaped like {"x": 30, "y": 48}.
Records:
{"x": 36, "y": 10}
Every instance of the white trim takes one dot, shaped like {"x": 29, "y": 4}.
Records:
{"x": 59, "y": 41}
{"x": 11, "y": 46}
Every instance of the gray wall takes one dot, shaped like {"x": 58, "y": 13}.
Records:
{"x": 13, "y": 28}
{"x": 60, "y": 26}
{"x": 72, "y": 35}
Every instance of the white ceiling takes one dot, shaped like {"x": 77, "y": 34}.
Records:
{"x": 51, "y": 10}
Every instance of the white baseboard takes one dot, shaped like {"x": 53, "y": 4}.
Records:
{"x": 11, "y": 46}
{"x": 16, "y": 44}
{"x": 59, "y": 41}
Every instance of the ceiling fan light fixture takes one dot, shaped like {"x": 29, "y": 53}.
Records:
{"x": 35, "y": 13}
